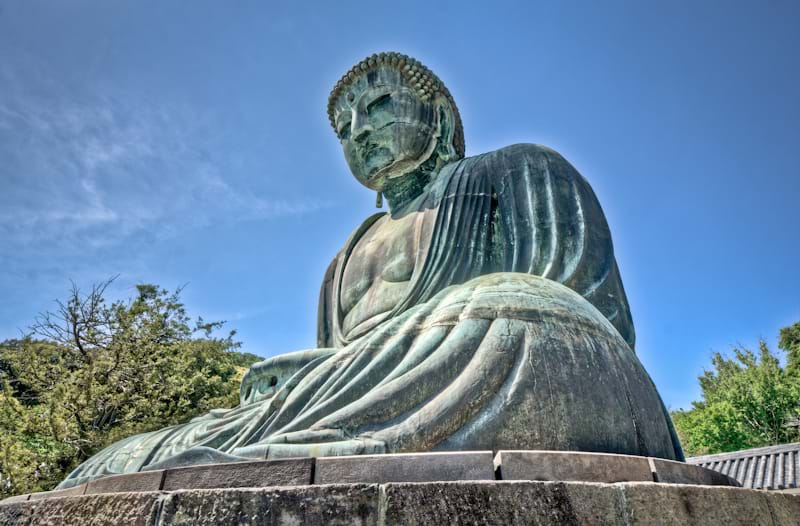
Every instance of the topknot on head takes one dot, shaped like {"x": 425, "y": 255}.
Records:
{"x": 421, "y": 79}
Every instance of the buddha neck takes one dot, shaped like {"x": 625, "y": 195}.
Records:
{"x": 401, "y": 191}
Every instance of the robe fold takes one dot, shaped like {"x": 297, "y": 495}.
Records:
{"x": 522, "y": 208}
{"x": 514, "y": 333}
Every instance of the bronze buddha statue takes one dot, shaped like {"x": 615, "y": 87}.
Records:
{"x": 484, "y": 311}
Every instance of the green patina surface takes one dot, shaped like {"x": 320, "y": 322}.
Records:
{"x": 484, "y": 311}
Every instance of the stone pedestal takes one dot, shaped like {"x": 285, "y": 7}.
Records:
{"x": 461, "y": 488}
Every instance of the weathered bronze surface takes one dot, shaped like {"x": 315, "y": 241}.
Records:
{"x": 484, "y": 311}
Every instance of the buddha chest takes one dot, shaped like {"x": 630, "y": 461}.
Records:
{"x": 379, "y": 268}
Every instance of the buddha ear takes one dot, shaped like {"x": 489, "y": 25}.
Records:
{"x": 445, "y": 119}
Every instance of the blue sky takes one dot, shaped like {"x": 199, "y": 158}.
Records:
{"x": 187, "y": 144}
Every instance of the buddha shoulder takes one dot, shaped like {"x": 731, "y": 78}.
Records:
{"x": 514, "y": 154}
{"x": 532, "y": 162}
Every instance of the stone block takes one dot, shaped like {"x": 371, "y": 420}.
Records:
{"x": 196, "y": 456}
{"x": 572, "y": 466}
{"x": 130, "y": 509}
{"x": 650, "y": 504}
{"x": 16, "y": 498}
{"x": 352, "y": 504}
{"x": 405, "y": 467}
{"x": 144, "y": 481}
{"x": 16, "y": 513}
{"x": 501, "y": 502}
{"x": 284, "y": 472}
{"x": 458, "y": 502}
{"x": 672, "y": 472}
{"x": 69, "y": 492}
{"x": 785, "y": 507}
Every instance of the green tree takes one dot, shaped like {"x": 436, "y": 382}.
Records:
{"x": 790, "y": 342}
{"x": 92, "y": 372}
{"x": 748, "y": 400}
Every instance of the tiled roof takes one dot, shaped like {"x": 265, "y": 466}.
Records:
{"x": 772, "y": 467}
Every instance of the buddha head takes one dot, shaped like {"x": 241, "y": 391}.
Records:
{"x": 394, "y": 118}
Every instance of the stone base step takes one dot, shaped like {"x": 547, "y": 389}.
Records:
{"x": 438, "y": 503}
{"x": 406, "y": 467}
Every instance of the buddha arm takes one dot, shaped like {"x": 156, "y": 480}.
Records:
{"x": 326, "y": 306}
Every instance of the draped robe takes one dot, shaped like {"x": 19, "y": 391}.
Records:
{"x": 514, "y": 333}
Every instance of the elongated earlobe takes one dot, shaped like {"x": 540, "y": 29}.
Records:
{"x": 379, "y": 200}
{"x": 446, "y": 149}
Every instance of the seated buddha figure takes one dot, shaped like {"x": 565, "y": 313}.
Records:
{"x": 483, "y": 311}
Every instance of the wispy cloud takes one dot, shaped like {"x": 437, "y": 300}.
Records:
{"x": 96, "y": 181}
{"x": 92, "y": 169}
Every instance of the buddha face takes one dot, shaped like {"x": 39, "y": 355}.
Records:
{"x": 386, "y": 131}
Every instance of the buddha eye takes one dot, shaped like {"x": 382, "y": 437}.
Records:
{"x": 381, "y": 103}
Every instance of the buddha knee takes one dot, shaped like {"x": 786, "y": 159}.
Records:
{"x": 516, "y": 296}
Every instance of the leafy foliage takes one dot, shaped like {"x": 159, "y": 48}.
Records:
{"x": 790, "y": 342}
{"x": 749, "y": 400}
{"x": 92, "y": 372}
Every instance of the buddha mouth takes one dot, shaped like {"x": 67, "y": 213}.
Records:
{"x": 375, "y": 158}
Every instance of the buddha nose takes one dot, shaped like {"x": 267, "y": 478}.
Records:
{"x": 360, "y": 129}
